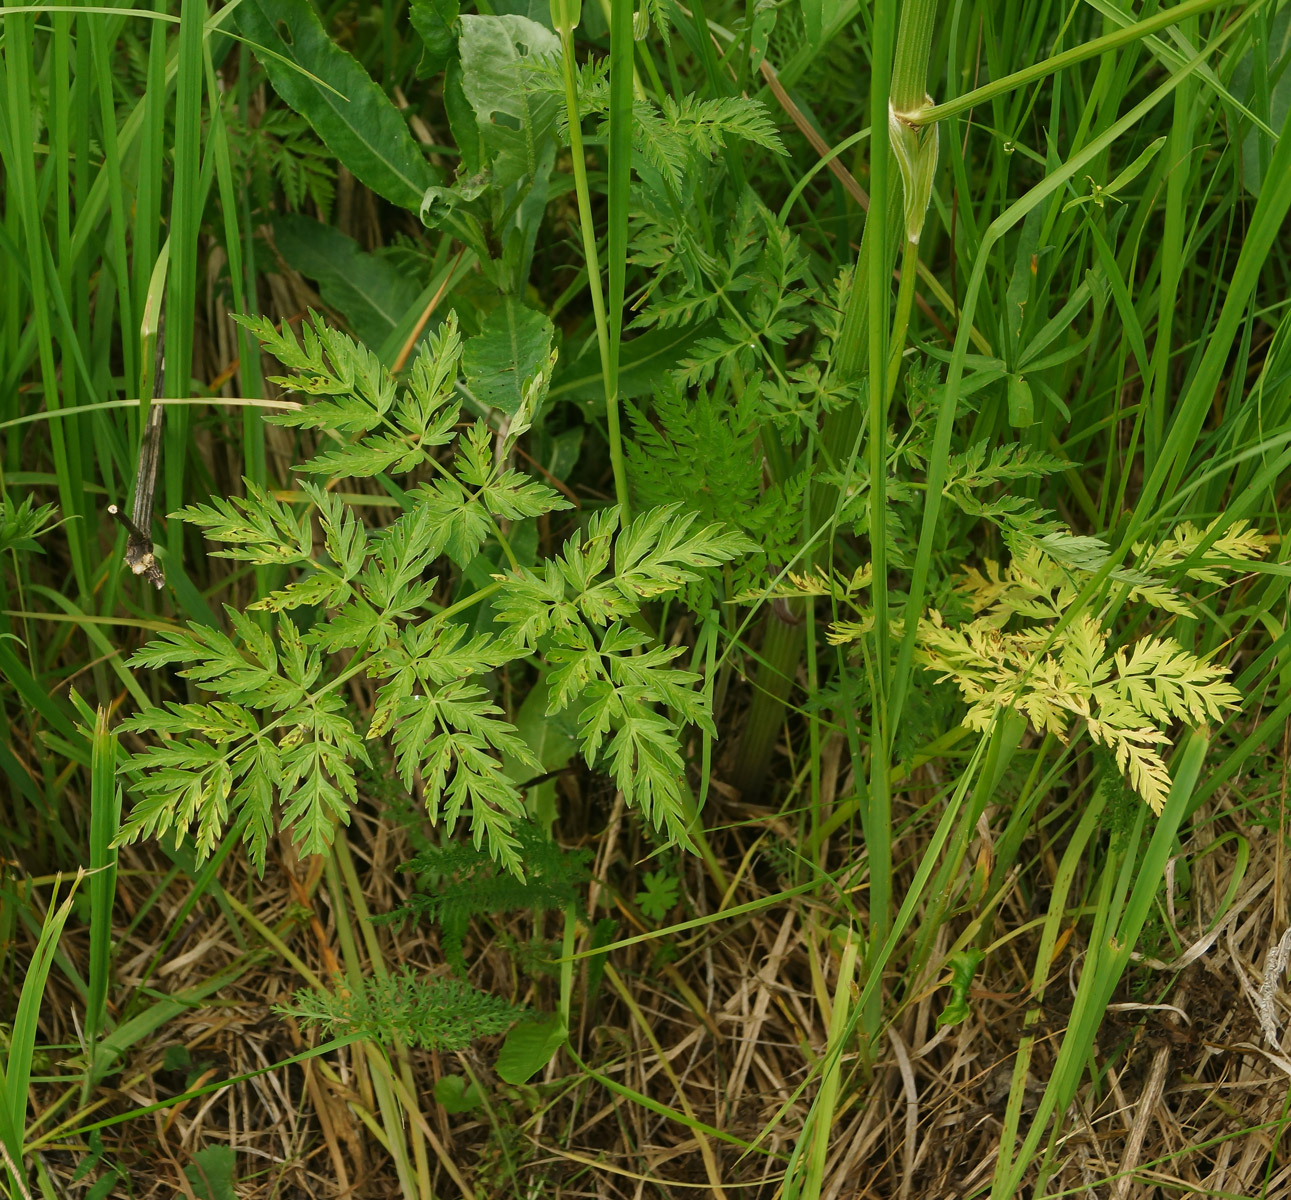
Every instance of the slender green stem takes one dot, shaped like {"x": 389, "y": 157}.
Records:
{"x": 622, "y": 44}
{"x": 901, "y": 317}
{"x": 607, "y": 341}
{"x": 877, "y": 281}
{"x": 910, "y": 63}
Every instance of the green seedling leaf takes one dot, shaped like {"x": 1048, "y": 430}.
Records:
{"x": 211, "y": 1173}
{"x": 21, "y": 524}
{"x": 368, "y": 291}
{"x": 514, "y": 343}
{"x": 658, "y": 895}
{"x": 963, "y": 966}
{"x": 457, "y": 1095}
{"x": 529, "y": 1047}
{"x": 176, "y": 1058}
{"x": 352, "y": 115}
{"x": 1101, "y": 194}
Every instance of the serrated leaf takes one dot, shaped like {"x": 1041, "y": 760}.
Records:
{"x": 455, "y": 1095}
{"x": 212, "y": 1173}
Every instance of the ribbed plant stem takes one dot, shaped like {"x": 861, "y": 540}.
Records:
{"x": 910, "y": 64}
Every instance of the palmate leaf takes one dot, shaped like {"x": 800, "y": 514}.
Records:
{"x": 620, "y": 691}
{"x": 1163, "y": 681}
{"x": 221, "y": 760}
{"x": 343, "y": 536}
{"x": 379, "y": 426}
{"x": 646, "y": 764}
{"x": 246, "y": 674}
{"x": 327, "y": 363}
{"x": 360, "y": 460}
{"x": 192, "y": 786}
{"x": 450, "y": 736}
{"x": 596, "y": 584}
{"x": 672, "y": 137}
{"x": 660, "y": 552}
{"x": 1225, "y": 549}
{"x": 318, "y": 786}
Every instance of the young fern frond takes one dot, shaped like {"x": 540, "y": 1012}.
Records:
{"x": 276, "y": 730}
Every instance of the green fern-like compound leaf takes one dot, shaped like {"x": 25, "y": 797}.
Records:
{"x": 273, "y": 743}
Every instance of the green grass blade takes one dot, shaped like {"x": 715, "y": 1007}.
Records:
{"x": 16, "y": 1060}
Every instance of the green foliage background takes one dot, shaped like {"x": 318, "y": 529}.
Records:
{"x": 847, "y": 443}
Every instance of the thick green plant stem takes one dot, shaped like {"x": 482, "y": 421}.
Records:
{"x": 782, "y": 645}
{"x": 910, "y": 63}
